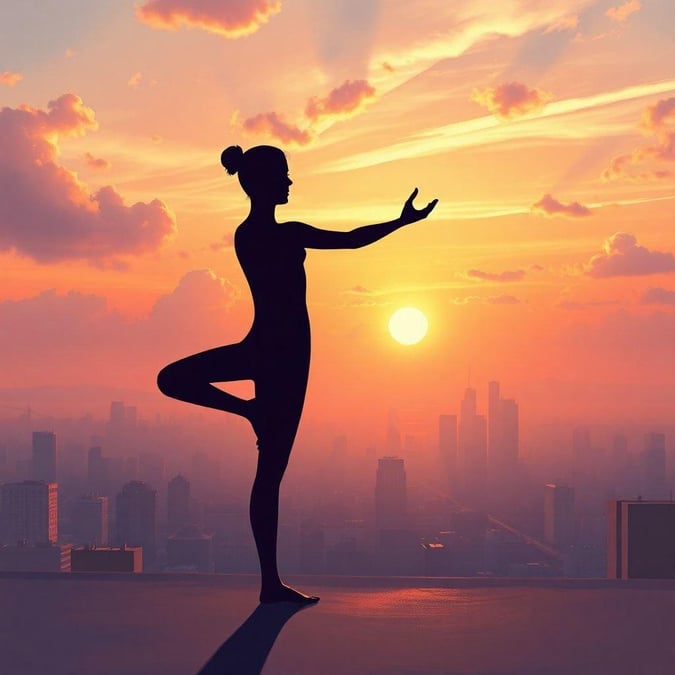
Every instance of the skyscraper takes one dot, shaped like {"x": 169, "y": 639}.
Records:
{"x": 447, "y": 447}
{"x": 559, "y": 522}
{"x": 98, "y": 470}
{"x": 136, "y": 518}
{"x": 29, "y": 512}
{"x": 390, "y": 494}
{"x": 90, "y": 520}
{"x": 178, "y": 503}
{"x": 44, "y": 456}
{"x": 472, "y": 438}
{"x": 494, "y": 420}
{"x": 510, "y": 435}
{"x": 653, "y": 464}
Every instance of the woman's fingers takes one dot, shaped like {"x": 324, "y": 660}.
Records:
{"x": 413, "y": 194}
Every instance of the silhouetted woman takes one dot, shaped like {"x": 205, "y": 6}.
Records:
{"x": 275, "y": 353}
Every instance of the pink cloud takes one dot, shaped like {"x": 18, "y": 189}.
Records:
{"x": 10, "y": 79}
{"x": 658, "y": 296}
{"x": 342, "y": 101}
{"x": 550, "y": 206}
{"x": 135, "y": 80}
{"x": 230, "y": 18}
{"x": 508, "y": 275}
{"x": 503, "y": 300}
{"x": 96, "y": 162}
{"x": 47, "y": 212}
{"x": 623, "y": 256}
{"x": 273, "y": 125}
{"x": 511, "y": 99}
{"x": 622, "y": 12}
{"x": 646, "y": 162}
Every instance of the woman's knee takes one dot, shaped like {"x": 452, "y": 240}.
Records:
{"x": 171, "y": 381}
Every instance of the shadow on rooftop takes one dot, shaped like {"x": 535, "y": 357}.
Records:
{"x": 246, "y": 650}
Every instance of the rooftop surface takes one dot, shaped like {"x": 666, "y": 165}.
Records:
{"x": 183, "y": 624}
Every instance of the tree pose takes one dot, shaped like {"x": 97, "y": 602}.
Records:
{"x": 275, "y": 353}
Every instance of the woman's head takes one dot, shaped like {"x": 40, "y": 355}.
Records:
{"x": 262, "y": 171}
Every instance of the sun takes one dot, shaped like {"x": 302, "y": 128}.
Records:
{"x": 408, "y": 325}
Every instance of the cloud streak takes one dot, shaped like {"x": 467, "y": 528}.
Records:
{"x": 10, "y": 79}
{"x": 47, "y": 212}
{"x": 343, "y": 101}
{"x": 274, "y": 126}
{"x": 507, "y": 275}
{"x": 623, "y": 11}
{"x": 229, "y": 18}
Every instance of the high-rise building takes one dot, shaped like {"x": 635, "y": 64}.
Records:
{"x": 390, "y": 494}
{"x": 640, "y": 541}
{"x": 178, "y": 503}
{"x": 447, "y": 446}
{"x": 90, "y": 520}
{"x": 136, "y": 518}
{"x": 44, "y": 456}
{"x": 494, "y": 421}
{"x": 98, "y": 470}
{"x": 510, "y": 435}
{"x": 29, "y": 512}
{"x": 190, "y": 548}
{"x": 472, "y": 440}
{"x": 653, "y": 465}
{"x": 104, "y": 559}
{"x": 151, "y": 468}
{"x": 559, "y": 520}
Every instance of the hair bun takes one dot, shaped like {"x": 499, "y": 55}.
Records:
{"x": 231, "y": 159}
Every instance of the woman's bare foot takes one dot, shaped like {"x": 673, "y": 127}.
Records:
{"x": 283, "y": 593}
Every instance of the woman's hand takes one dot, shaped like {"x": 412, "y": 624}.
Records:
{"x": 410, "y": 214}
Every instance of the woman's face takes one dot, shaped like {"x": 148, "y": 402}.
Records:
{"x": 280, "y": 182}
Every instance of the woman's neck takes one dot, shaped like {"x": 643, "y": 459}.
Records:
{"x": 262, "y": 211}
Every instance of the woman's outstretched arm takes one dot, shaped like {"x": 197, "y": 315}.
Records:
{"x": 313, "y": 237}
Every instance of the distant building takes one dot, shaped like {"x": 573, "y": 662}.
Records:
{"x": 93, "y": 559}
{"x": 44, "y": 456}
{"x": 178, "y": 498}
{"x": 447, "y": 447}
{"x": 641, "y": 539}
{"x": 136, "y": 518}
{"x": 29, "y": 512}
{"x": 510, "y": 433}
{"x": 390, "y": 493}
{"x": 90, "y": 520}
{"x": 502, "y": 433}
{"x": 35, "y": 558}
{"x": 151, "y": 468}
{"x": 190, "y": 548}
{"x": 559, "y": 520}
{"x": 653, "y": 465}
{"x": 472, "y": 440}
{"x": 98, "y": 470}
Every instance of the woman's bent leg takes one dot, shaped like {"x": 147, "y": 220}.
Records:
{"x": 191, "y": 378}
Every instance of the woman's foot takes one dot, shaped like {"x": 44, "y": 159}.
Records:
{"x": 283, "y": 593}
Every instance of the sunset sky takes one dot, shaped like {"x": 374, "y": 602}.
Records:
{"x": 546, "y": 129}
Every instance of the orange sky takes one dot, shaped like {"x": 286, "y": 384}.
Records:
{"x": 545, "y": 128}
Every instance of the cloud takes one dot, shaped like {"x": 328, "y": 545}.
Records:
{"x": 622, "y": 12}
{"x": 272, "y": 125}
{"x": 550, "y": 206}
{"x": 225, "y": 243}
{"x": 658, "y": 296}
{"x": 503, "y": 300}
{"x": 623, "y": 256}
{"x": 230, "y": 18}
{"x": 47, "y": 212}
{"x": 342, "y": 101}
{"x": 135, "y": 80}
{"x": 511, "y": 99}
{"x": 588, "y": 304}
{"x": 646, "y": 162}
{"x": 85, "y": 339}
{"x": 96, "y": 162}
{"x": 10, "y": 79}
{"x": 508, "y": 275}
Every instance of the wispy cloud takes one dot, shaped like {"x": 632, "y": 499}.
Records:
{"x": 272, "y": 125}
{"x": 96, "y": 162}
{"x": 621, "y": 12}
{"x": 658, "y": 296}
{"x": 342, "y": 101}
{"x": 507, "y": 275}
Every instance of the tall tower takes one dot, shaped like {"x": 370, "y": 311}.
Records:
{"x": 447, "y": 447}
{"x": 559, "y": 524}
{"x": 510, "y": 434}
{"x": 29, "y": 512}
{"x": 472, "y": 438}
{"x": 494, "y": 421}
{"x": 44, "y": 456}
{"x": 136, "y": 518}
{"x": 178, "y": 503}
{"x": 653, "y": 464}
{"x": 390, "y": 494}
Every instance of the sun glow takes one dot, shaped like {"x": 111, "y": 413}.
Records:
{"x": 408, "y": 325}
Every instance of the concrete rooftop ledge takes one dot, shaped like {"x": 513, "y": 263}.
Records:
{"x": 181, "y": 624}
